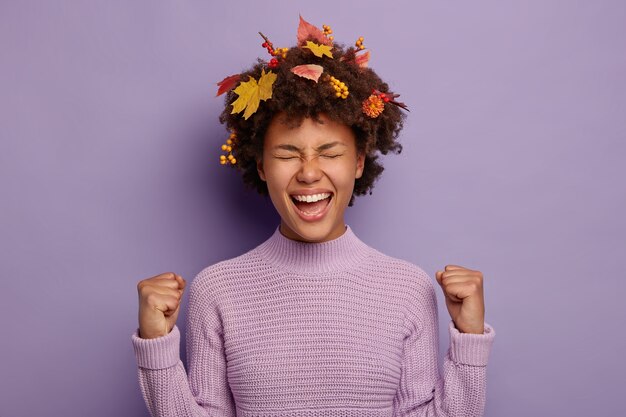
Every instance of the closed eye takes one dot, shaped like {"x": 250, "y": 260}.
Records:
{"x": 328, "y": 156}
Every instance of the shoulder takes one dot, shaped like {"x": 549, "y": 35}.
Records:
{"x": 213, "y": 287}
{"x": 410, "y": 276}
{"x": 414, "y": 289}
{"x": 220, "y": 275}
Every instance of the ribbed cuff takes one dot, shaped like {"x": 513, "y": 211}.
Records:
{"x": 471, "y": 348}
{"x": 158, "y": 353}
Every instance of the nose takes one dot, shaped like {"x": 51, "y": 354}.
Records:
{"x": 309, "y": 171}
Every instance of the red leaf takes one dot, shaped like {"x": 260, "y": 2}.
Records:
{"x": 227, "y": 84}
{"x": 310, "y": 71}
{"x": 307, "y": 31}
{"x": 363, "y": 59}
{"x": 399, "y": 104}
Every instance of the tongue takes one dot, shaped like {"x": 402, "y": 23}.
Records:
{"x": 312, "y": 208}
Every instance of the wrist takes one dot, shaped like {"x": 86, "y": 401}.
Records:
{"x": 471, "y": 329}
{"x": 149, "y": 335}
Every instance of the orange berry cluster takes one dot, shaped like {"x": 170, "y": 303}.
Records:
{"x": 282, "y": 52}
{"x": 328, "y": 31}
{"x": 341, "y": 89}
{"x": 228, "y": 147}
{"x": 359, "y": 43}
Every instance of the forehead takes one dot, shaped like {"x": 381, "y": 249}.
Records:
{"x": 307, "y": 131}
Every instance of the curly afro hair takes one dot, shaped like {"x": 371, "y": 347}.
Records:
{"x": 299, "y": 97}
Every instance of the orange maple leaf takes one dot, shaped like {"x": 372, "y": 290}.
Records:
{"x": 308, "y": 31}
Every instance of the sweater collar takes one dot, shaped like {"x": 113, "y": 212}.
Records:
{"x": 341, "y": 253}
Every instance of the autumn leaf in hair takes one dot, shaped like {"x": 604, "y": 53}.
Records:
{"x": 310, "y": 71}
{"x": 227, "y": 84}
{"x": 307, "y": 31}
{"x": 318, "y": 50}
{"x": 362, "y": 59}
{"x": 252, "y": 92}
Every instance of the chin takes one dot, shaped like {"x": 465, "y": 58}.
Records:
{"x": 318, "y": 227}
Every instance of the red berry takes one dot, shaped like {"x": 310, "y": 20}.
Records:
{"x": 264, "y": 45}
{"x": 386, "y": 99}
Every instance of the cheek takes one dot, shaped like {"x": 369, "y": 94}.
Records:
{"x": 277, "y": 176}
{"x": 343, "y": 175}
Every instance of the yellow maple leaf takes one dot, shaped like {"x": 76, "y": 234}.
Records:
{"x": 244, "y": 90}
{"x": 251, "y": 93}
{"x": 265, "y": 84}
{"x": 319, "y": 50}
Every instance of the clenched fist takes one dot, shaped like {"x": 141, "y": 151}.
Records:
{"x": 463, "y": 289}
{"x": 159, "y": 304}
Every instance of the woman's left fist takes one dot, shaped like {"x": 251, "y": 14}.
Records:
{"x": 463, "y": 289}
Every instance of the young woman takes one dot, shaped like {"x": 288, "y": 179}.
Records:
{"x": 313, "y": 321}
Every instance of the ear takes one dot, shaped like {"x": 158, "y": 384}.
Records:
{"x": 259, "y": 168}
{"x": 360, "y": 164}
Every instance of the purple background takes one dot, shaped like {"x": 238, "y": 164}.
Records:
{"x": 513, "y": 164}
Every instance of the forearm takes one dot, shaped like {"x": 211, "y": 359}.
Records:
{"x": 162, "y": 377}
{"x": 166, "y": 392}
{"x": 460, "y": 391}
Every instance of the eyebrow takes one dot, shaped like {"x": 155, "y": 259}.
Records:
{"x": 323, "y": 147}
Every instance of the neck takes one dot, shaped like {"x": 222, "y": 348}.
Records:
{"x": 340, "y": 253}
{"x": 289, "y": 233}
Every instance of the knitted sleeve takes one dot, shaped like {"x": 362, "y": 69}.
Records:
{"x": 167, "y": 389}
{"x": 423, "y": 391}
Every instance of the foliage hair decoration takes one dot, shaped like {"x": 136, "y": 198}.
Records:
{"x": 251, "y": 92}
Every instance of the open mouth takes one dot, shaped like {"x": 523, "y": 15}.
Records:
{"x": 312, "y": 205}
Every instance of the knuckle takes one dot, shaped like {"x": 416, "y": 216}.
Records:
{"x": 152, "y": 298}
{"x": 142, "y": 289}
{"x": 148, "y": 300}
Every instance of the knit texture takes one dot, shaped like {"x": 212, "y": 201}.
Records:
{"x": 296, "y": 329}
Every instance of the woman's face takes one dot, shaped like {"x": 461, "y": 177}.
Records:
{"x": 310, "y": 172}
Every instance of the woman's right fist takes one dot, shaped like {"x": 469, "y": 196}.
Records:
{"x": 159, "y": 304}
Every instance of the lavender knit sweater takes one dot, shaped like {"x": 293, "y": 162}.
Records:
{"x": 328, "y": 329}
